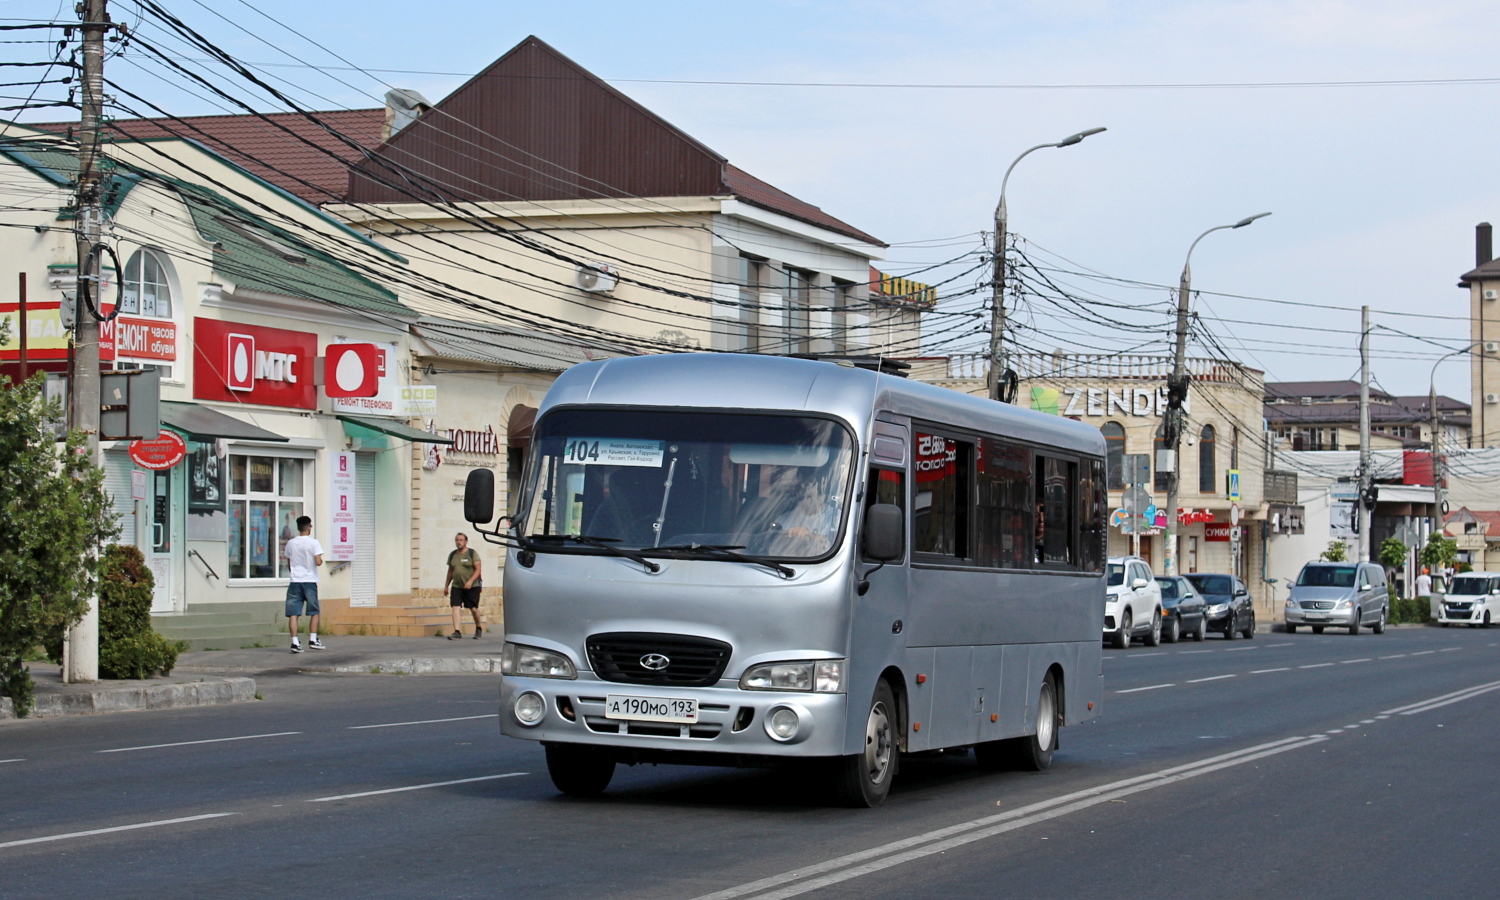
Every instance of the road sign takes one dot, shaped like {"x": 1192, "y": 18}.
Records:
{"x": 1234, "y": 485}
{"x": 1135, "y": 468}
{"x": 1234, "y": 514}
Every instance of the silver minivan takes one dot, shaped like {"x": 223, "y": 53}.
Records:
{"x": 1345, "y": 595}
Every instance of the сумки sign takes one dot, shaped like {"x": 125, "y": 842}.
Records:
{"x": 1104, "y": 401}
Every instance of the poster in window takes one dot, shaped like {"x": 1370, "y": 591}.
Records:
{"x": 260, "y": 534}
{"x": 205, "y": 479}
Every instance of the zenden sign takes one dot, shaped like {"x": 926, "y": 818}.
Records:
{"x": 1104, "y": 402}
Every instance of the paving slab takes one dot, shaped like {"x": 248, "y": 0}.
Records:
{"x": 179, "y": 690}
{"x": 354, "y": 654}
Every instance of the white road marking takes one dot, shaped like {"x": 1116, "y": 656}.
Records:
{"x": 1233, "y": 649}
{"x": 1285, "y": 644}
{"x": 424, "y": 722}
{"x": 1315, "y": 666}
{"x": 1475, "y": 692}
{"x": 1382, "y": 716}
{"x": 1423, "y": 652}
{"x": 1186, "y": 652}
{"x": 1149, "y": 688}
{"x": 1210, "y": 678}
{"x": 1348, "y": 661}
{"x": 1334, "y": 731}
{"x": 1141, "y": 655}
{"x": 79, "y": 834}
{"x": 1424, "y": 704}
{"x": 1394, "y": 656}
{"x": 11, "y": 760}
{"x": 417, "y": 787}
{"x": 865, "y": 862}
{"x": 247, "y": 737}
{"x": 1449, "y": 649}
{"x": 1264, "y": 671}
{"x": 1367, "y": 721}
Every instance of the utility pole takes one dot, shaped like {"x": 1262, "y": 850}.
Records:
{"x": 1363, "y": 507}
{"x": 1177, "y": 389}
{"x": 82, "y": 659}
{"x": 1437, "y": 457}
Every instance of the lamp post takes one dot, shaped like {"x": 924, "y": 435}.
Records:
{"x": 1437, "y": 461}
{"x": 1000, "y": 382}
{"x": 1177, "y": 392}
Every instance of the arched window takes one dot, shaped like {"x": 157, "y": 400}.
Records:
{"x": 1208, "y": 479}
{"x": 1114, "y": 454}
{"x": 147, "y": 292}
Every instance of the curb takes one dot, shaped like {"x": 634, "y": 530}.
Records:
{"x": 422, "y": 665}
{"x": 127, "y": 699}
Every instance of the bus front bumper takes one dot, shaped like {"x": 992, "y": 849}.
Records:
{"x": 730, "y": 721}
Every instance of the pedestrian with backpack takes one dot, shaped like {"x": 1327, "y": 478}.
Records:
{"x": 463, "y": 584}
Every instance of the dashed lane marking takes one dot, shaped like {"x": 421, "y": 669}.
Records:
{"x": 1348, "y": 661}
{"x": 1449, "y": 649}
{"x": 1210, "y": 678}
{"x": 417, "y": 787}
{"x": 1234, "y": 649}
{"x": 1264, "y": 671}
{"x": 1423, "y": 652}
{"x": 1189, "y": 652}
{"x": 1315, "y": 666}
{"x": 11, "y": 760}
{"x": 424, "y": 722}
{"x": 1151, "y": 687}
{"x": 1394, "y": 656}
{"x": 94, "y": 831}
{"x": 245, "y": 737}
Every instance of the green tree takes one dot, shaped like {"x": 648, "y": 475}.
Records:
{"x": 1439, "y": 550}
{"x": 1393, "y": 553}
{"x": 1337, "y": 551}
{"x": 54, "y": 516}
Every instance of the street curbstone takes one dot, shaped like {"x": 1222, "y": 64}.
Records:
{"x": 131, "y": 698}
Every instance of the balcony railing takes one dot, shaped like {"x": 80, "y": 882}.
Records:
{"x": 1032, "y": 366}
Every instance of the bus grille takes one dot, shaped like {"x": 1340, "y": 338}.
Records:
{"x": 693, "y": 661}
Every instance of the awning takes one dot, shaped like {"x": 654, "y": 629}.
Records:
{"x": 366, "y": 426}
{"x": 203, "y": 424}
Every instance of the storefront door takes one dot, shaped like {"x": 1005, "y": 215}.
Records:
{"x": 166, "y": 552}
{"x": 362, "y": 573}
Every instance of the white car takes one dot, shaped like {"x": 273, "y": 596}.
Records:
{"x": 1132, "y": 607}
{"x": 1472, "y": 600}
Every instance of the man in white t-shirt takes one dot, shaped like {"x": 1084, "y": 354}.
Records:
{"x": 1424, "y": 585}
{"x": 304, "y": 554}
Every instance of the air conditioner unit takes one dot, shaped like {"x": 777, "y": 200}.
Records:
{"x": 1491, "y": 294}
{"x": 1492, "y": 398}
{"x": 1492, "y": 346}
{"x": 595, "y": 278}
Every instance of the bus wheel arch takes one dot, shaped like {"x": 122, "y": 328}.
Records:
{"x": 1060, "y": 687}
{"x": 893, "y": 677}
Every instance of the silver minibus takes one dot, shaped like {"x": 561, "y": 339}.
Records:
{"x": 730, "y": 559}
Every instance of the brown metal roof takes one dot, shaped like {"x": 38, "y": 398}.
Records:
{"x": 263, "y": 148}
{"x": 756, "y": 192}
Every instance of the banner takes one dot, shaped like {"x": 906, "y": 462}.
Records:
{"x": 342, "y": 534}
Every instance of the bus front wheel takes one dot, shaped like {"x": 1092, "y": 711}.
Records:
{"x": 864, "y": 779}
{"x": 579, "y": 771}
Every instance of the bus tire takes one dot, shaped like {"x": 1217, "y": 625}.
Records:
{"x": 1033, "y": 752}
{"x": 864, "y": 779}
{"x": 579, "y": 771}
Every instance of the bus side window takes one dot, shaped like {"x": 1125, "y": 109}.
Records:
{"x": 1055, "y": 508}
{"x": 1003, "y": 520}
{"x": 940, "y": 508}
{"x": 886, "y": 486}
{"x": 1094, "y": 505}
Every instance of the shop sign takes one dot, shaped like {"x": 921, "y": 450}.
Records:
{"x": 353, "y": 370}
{"x": 341, "y": 506}
{"x": 385, "y": 400}
{"x": 1102, "y": 402}
{"x": 418, "y": 400}
{"x": 253, "y": 364}
{"x": 482, "y": 442}
{"x": 164, "y": 452}
{"x": 138, "y": 339}
{"x": 1217, "y": 532}
{"x": 46, "y": 338}
{"x": 1193, "y": 517}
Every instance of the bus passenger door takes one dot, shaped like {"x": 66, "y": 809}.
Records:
{"x": 877, "y": 634}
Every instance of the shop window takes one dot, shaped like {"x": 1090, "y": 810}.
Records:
{"x": 1207, "y": 480}
{"x": 1056, "y": 486}
{"x": 940, "y": 509}
{"x": 1003, "y": 526}
{"x": 266, "y": 495}
{"x": 146, "y": 290}
{"x": 1114, "y": 454}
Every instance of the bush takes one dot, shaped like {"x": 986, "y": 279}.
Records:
{"x": 128, "y": 648}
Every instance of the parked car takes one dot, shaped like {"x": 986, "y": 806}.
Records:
{"x": 1229, "y": 608}
{"x": 1471, "y": 600}
{"x": 1343, "y": 595}
{"x": 1132, "y": 607}
{"x": 1183, "y": 610}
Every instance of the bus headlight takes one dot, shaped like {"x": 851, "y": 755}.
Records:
{"x": 529, "y": 708}
{"x": 782, "y": 723}
{"x": 517, "y": 659}
{"x": 822, "y": 676}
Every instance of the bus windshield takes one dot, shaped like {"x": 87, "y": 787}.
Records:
{"x": 766, "y": 485}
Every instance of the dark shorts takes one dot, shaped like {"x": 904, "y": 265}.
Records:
{"x": 468, "y": 598}
{"x": 300, "y": 594}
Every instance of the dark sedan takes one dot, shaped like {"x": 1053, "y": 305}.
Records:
{"x": 1230, "y": 610}
{"x": 1182, "y": 610}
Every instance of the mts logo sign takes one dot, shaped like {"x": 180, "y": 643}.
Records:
{"x": 252, "y": 364}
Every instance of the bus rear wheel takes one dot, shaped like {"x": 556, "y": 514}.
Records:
{"x": 1032, "y": 752}
{"x": 579, "y": 771}
{"x": 864, "y": 779}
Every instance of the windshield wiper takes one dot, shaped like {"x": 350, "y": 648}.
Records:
{"x": 599, "y": 543}
{"x": 727, "y": 551}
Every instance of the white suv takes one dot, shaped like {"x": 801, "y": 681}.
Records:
{"x": 1132, "y": 607}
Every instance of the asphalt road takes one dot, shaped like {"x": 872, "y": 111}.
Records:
{"x": 1287, "y": 766}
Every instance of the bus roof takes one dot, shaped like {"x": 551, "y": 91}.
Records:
{"x": 730, "y": 381}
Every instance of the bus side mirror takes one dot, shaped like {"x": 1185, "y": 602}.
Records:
{"x": 883, "y": 531}
{"x": 479, "y": 497}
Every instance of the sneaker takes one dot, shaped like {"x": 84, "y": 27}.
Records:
{"x": 296, "y": 648}
{"x": 316, "y": 644}
{"x": 477, "y": 632}
{"x": 456, "y": 636}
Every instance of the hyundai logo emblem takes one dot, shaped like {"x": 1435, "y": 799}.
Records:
{"x": 655, "y": 662}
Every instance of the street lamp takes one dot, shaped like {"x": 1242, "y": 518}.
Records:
{"x": 1437, "y": 467}
{"x": 1177, "y": 390}
{"x": 1003, "y": 388}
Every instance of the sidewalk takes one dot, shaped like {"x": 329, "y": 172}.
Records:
{"x": 354, "y": 653}
{"x": 179, "y": 690}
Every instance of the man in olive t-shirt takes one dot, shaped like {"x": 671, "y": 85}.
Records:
{"x": 463, "y": 584}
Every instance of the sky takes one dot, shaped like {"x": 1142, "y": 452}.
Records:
{"x": 1375, "y": 189}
